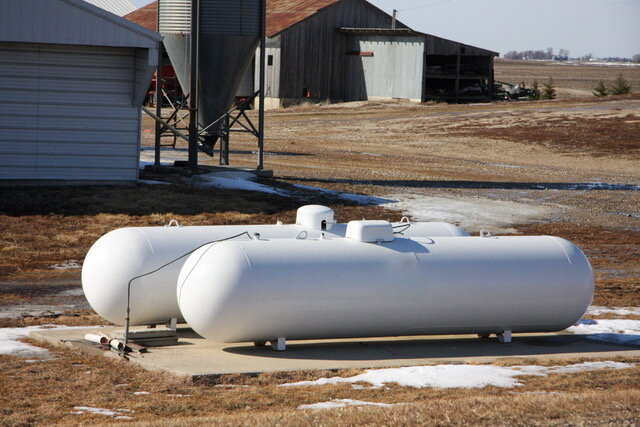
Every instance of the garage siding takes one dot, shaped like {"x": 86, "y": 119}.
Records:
{"x": 67, "y": 113}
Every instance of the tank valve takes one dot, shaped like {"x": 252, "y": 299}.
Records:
{"x": 485, "y": 233}
{"x": 256, "y": 236}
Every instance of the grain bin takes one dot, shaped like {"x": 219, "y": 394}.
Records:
{"x": 229, "y": 33}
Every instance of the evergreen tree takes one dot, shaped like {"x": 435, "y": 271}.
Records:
{"x": 548, "y": 90}
{"x": 535, "y": 91}
{"x": 600, "y": 89}
{"x": 620, "y": 86}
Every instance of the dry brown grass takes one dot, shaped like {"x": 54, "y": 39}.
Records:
{"x": 597, "y": 137}
{"x": 73, "y": 379}
{"x": 46, "y": 226}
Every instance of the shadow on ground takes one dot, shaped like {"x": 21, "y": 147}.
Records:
{"x": 533, "y": 346}
{"x": 477, "y": 185}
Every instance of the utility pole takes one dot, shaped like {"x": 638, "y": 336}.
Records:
{"x": 193, "y": 87}
{"x": 263, "y": 54}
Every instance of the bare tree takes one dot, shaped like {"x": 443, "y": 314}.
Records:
{"x": 549, "y": 53}
{"x": 636, "y": 58}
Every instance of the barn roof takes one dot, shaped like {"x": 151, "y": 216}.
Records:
{"x": 147, "y": 16}
{"x": 70, "y": 22}
{"x": 281, "y": 14}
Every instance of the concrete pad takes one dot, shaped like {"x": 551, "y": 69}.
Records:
{"x": 196, "y": 357}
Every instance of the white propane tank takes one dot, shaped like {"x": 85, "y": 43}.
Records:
{"x": 344, "y": 288}
{"x": 120, "y": 255}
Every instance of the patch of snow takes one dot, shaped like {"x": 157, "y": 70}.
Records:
{"x": 118, "y": 414}
{"x": 341, "y": 403}
{"x": 10, "y": 344}
{"x": 167, "y": 156}
{"x": 75, "y": 292}
{"x": 616, "y": 331}
{"x": 360, "y": 199}
{"x": 596, "y": 310}
{"x": 71, "y": 264}
{"x": 140, "y": 393}
{"x": 178, "y": 395}
{"x": 471, "y": 213}
{"x": 237, "y": 181}
{"x": 458, "y": 376}
{"x": 34, "y": 310}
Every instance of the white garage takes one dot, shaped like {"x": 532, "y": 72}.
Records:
{"x": 72, "y": 79}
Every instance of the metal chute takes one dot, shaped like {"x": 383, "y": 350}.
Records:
{"x": 229, "y": 32}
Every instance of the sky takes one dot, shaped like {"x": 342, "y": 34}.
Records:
{"x": 605, "y": 28}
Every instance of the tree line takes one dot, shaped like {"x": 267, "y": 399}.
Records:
{"x": 563, "y": 54}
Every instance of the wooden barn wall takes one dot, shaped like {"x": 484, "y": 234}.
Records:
{"x": 313, "y": 51}
{"x": 439, "y": 46}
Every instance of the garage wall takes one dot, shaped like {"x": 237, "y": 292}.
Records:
{"x": 67, "y": 113}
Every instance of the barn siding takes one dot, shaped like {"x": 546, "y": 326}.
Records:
{"x": 394, "y": 70}
{"x": 313, "y": 51}
{"x": 68, "y": 113}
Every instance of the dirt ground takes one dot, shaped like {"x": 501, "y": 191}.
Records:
{"x": 579, "y": 160}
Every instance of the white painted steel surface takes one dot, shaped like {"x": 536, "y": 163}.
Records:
{"x": 341, "y": 288}
{"x": 123, "y": 254}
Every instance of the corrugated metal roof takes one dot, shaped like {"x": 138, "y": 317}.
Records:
{"x": 147, "y": 16}
{"x": 281, "y": 14}
{"x": 70, "y": 22}
{"x": 117, "y": 7}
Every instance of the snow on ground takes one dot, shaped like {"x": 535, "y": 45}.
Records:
{"x": 458, "y": 376}
{"x": 237, "y": 180}
{"x": 618, "y": 311}
{"x": 341, "y": 403}
{"x": 118, "y": 414}
{"x": 616, "y": 331}
{"x": 356, "y": 198}
{"x": 75, "y": 292}
{"x": 472, "y": 213}
{"x": 11, "y": 345}
{"x": 168, "y": 156}
{"x": 68, "y": 265}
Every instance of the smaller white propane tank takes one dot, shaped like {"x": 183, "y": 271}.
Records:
{"x": 121, "y": 255}
{"x": 371, "y": 284}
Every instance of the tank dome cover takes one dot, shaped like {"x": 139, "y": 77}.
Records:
{"x": 316, "y": 217}
{"x": 370, "y": 231}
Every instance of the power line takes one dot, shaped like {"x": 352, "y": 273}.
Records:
{"x": 425, "y": 5}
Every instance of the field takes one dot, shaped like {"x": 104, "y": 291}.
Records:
{"x": 572, "y": 80}
{"x": 569, "y": 167}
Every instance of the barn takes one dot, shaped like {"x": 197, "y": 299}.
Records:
{"x": 347, "y": 50}
{"x": 72, "y": 79}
